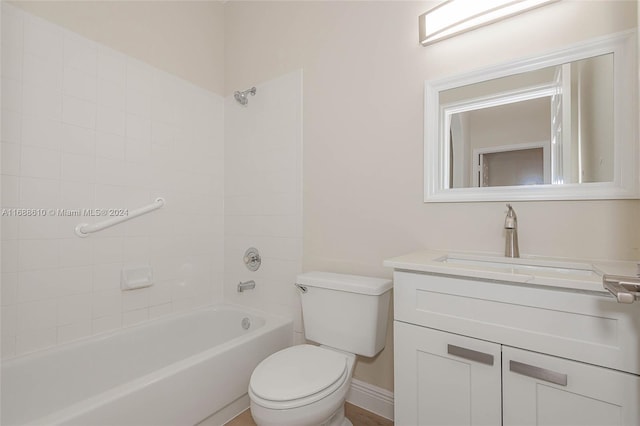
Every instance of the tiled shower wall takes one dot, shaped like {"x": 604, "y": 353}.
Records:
{"x": 263, "y": 195}
{"x": 84, "y": 126}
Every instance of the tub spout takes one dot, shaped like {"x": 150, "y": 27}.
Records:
{"x": 511, "y": 248}
{"x": 247, "y": 285}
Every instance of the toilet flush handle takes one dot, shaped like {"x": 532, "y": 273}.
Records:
{"x": 302, "y": 288}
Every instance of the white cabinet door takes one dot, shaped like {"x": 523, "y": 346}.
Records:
{"x": 545, "y": 390}
{"x": 445, "y": 379}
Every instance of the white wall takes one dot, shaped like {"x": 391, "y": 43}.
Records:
{"x": 263, "y": 195}
{"x": 84, "y": 126}
{"x": 363, "y": 131}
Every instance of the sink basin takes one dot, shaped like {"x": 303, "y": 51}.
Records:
{"x": 523, "y": 265}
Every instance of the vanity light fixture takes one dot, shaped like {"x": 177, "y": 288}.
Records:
{"x": 452, "y": 17}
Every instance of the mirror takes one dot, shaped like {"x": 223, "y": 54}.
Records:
{"x": 559, "y": 126}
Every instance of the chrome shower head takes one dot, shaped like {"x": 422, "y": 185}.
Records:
{"x": 243, "y": 97}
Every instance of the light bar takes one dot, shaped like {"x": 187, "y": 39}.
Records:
{"x": 453, "y": 17}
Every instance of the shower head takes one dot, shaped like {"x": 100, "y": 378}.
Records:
{"x": 243, "y": 97}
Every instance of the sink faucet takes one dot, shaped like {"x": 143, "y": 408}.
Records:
{"x": 511, "y": 226}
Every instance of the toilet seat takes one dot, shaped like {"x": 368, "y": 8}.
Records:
{"x": 297, "y": 376}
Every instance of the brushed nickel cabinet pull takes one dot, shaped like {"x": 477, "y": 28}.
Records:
{"x": 470, "y": 354}
{"x": 538, "y": 373}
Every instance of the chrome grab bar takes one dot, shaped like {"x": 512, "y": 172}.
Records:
{"x": 624, "y": 289}
{"x": 84, "y": 229}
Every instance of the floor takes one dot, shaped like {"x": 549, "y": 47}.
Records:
{"x": 357, "y": 415}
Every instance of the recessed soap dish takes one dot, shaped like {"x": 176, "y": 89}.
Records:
{"x": 136, "y": 277}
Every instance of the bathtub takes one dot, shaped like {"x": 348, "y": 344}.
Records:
{"x": 179, "y": 370}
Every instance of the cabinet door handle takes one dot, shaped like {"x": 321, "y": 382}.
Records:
{"x": 538, "y": 373}
{"x": 470, "y": 354}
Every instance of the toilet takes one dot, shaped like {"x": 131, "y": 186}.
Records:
{"x": 306, "y": 385}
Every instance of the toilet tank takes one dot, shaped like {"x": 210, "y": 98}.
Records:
{"x": 347, "y": 312}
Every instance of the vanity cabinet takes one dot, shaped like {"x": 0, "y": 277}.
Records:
{"x": 482, "y": 352}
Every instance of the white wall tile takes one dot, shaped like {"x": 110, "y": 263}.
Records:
{"x": 107, "y": 250}
{"x": 160, "y": 310}
{"x": 35, "y": 339}
{"x": 135, "y": 299}
{"x": 80, "y": 85}
{"x": 42, "y": 72}
{"x": 135, "y": 317}
{"x": 11, "y": 126}
{"x": 80, "y": 53}
{"x": 78, "y": 140}
{"x": 39, "y": 193}
{"x": 36, "y": 315}
{"x": 78, "y": 112}
{"x": 74, "y": 331}
{"x": 111, "y": 94}
{"x": 73, "y": 309}
{"x": 106, "y": 323}
{"x": 41, "y": 102}
{"x": 81, "y": 168}
{"x": 106, "y": 276}
{"x": 106, "y": 303}
{"x": 76, "y": 280}
{"x": 11, "y": 67}
{"x": 110, "y": 120}
{"x": 42, "y": 132}
{"x": 39, "y": 162}
{"x": 38, "y": 254}
{"x": 138, "y": 127}
{"x": 77, "y": 195}
{"x": 38, "y": 285}
{"x": 78, "y": 133}
{"x": 9, "y": 288}
{"x": 10, "y": 191}
{"x": 110, "y": 172}
{"x": 9, "y": 230}
{"x": 9, "y": 258}
{"x": 110, "y": 146}
{"x": 40, "y": 227}
{"x": 11, "y": 95}
{"x": 139, "y": 103}
{"x": 10, "y": 155}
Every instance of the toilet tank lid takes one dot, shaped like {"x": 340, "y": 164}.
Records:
{"x": 343, "y": 282}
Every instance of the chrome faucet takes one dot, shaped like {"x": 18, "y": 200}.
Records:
{"x": 511, "y": 248}
{"x": 247, "y": 285}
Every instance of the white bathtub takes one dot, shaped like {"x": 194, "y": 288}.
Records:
{"x": 178, "y": 370}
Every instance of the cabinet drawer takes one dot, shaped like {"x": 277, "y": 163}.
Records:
{"x": 544, "y": 390}
{"x": 581, "y": 326}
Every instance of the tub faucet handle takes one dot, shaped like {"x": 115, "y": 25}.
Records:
{"x": 252, "y": 259}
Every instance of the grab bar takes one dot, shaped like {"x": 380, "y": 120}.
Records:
{"x": 84, "y": 229}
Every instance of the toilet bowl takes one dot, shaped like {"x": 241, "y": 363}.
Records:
{"x": 306, "y": 385}
{"x": 303, "y": 385}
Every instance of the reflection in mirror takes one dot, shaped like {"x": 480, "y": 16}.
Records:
{"x": 548, "y": 126}
{"x": 557, "y": 126}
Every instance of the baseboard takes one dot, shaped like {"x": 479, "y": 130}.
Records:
{"x": 372, "y": 398}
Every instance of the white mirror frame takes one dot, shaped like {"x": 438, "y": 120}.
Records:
{"x": 626, "y": 179}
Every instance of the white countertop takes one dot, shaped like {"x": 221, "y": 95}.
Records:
{"x": 576, "y": 274}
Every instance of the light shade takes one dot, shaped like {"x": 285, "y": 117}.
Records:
{"x": 453, "y": 17}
